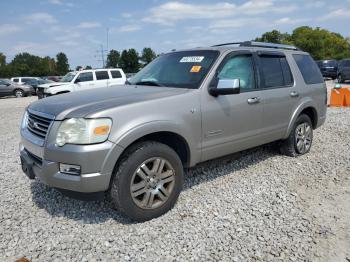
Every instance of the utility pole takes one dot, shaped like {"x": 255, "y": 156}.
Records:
{"x": 107, "y": 40}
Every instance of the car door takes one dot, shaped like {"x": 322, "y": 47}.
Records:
{"x": 279, "y": 94}
{"x": 3, "y": 88}
{"x": 102, "y": 78}
{"x": 231, "y": 123}
{"x": 84, "y": 81}
{"x": 116, "y": 78}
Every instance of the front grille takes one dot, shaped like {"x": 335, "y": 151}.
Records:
{"x": 38, "y": 125}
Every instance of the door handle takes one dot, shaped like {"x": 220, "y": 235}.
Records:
{"x": 294, "y": 94}
{"x": 253, "y": 100}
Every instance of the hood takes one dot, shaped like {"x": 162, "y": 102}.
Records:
{"x": 48, "y": 85}
{"x": 83, "y": 103}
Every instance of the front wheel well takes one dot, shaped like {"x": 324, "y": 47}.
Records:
{"x": 173, "y": 140}
{"x": 312, "y": 114}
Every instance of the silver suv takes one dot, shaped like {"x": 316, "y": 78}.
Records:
{"x": 184, "y": 108}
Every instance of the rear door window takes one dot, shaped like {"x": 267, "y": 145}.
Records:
{"x": 101, "y": 75}
{"x": 116, "y": 74}
{"x": 309, "y": 69}
{"x": 275, "y": 71}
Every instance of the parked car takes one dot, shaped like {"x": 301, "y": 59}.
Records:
{"x": 184, "y": 108}
{"x": 83, "y": 80}
{"x": 328, "y": 68}
{"x": 23, "y": 80}
{"x": 36, "y": 82}
{"x": 9, "y": 88}
{"x": 344, "y": 70}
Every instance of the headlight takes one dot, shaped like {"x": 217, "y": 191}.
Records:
{"x": 24, "y": 120}
{"x": 83, "y": 131}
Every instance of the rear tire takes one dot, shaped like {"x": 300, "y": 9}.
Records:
{"x": 19, "y": 93}
{"x": 147, "y": 181}
{"x": 300, "y": 138}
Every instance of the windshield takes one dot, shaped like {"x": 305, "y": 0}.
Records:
{"x": 185, "y": 69}
{"x": 68, "y": 77}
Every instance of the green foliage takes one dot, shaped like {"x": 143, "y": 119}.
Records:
{"x": 88, "y": 67}
{"x": 147, "y": 55}
{"x": 320, "y": 43}
{"x": 129, "y": 61}
{"x": 113, "y": 59}
{"x": 78, "y": 68}
{"x": 62, "y": 63}
{"x": 275, "y": 36}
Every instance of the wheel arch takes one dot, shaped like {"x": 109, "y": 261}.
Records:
{"x": 307, "y": 108}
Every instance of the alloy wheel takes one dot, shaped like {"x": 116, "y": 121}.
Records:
{"x": 152, "y": 183}
{"x": 19, "y": 93}
{"x": 303, "y": 137}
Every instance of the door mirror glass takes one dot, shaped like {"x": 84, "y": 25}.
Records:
{"x": 77, "y": 80}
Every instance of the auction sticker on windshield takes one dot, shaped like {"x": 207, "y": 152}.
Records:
{"x": 192, "y": 59}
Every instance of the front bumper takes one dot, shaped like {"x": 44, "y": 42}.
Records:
{"x": 96, "y": 161}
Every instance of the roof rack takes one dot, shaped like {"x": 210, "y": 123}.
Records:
{"x": 260, "y": 44}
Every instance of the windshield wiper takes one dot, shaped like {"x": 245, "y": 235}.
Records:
{"x": 148, "y": 83}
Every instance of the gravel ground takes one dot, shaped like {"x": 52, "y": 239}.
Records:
{"x": 255, "y": 205}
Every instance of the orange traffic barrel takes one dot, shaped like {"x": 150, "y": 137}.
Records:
{"x": 337, "y": 98}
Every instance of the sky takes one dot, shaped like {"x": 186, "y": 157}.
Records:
{"x": 79, "y": 28}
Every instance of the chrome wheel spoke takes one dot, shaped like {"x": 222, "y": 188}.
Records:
{"x": 168, "y": 179}
{"x": 141, "y": 174}
{"x": 146, "y": 199}
{"x": 146, "y": 170}
{"x": 139, "y": 192}
{"x": 138, "y": 186}
{"x": 165, "y": 174}
{"x": 163, "y": 193}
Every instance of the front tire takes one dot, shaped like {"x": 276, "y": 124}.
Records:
{"x": 147, "y": 181}
{"x": 300, "y": 138}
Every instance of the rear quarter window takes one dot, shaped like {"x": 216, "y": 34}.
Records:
{"x": 309, "y": 69}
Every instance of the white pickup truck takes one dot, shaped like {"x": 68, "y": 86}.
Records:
{"x": 83, "y": 80}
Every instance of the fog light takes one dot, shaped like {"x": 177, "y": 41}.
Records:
{"x": 70, "y": 169}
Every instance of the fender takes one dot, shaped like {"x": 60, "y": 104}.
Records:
{"x": 131, "y": 135}
{"x": 304, "y": 103}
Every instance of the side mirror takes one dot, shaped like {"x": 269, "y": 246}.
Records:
{"x": 226, "y": 87}
{"x": 77, "y": 81}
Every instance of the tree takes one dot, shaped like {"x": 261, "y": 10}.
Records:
{"x": 129, "y": 61}
{"x": 88, "y": 67}
{"x": 62, "y": 63}
{"x": 321, "y": 43}
{"x": 275, "y": 36}
{"x": 113, "y": 59}
{"x": 147, "y": 55}
{"x": 2, "y": 59}
{"x": 78, "y": 68}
